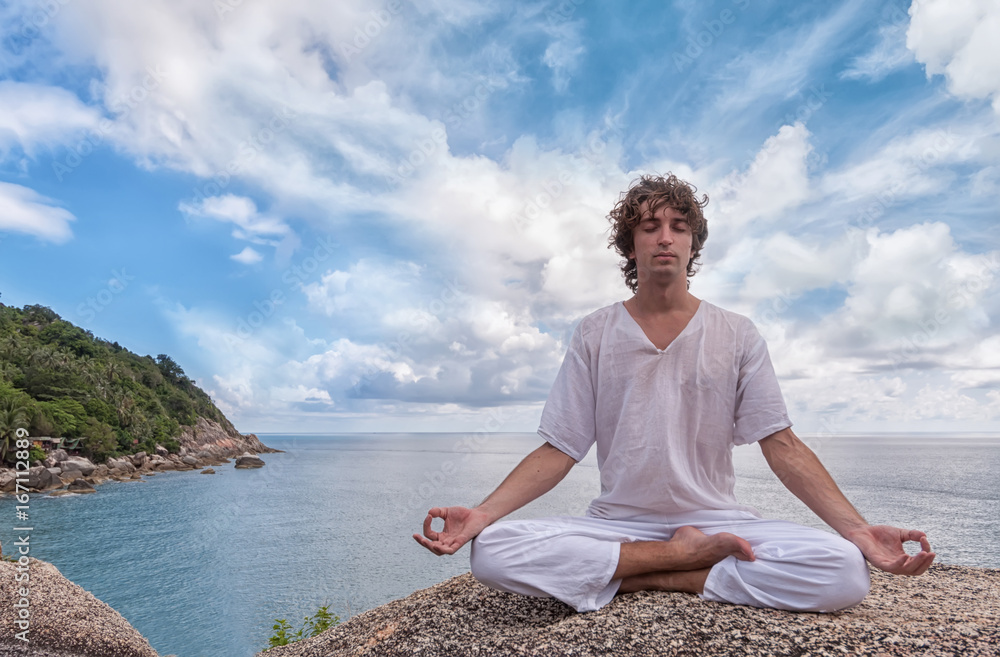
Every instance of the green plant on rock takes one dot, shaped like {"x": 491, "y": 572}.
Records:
{"x": 319, "y": 622}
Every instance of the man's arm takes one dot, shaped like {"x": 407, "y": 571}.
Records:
{"x": 801, "y": 472}
{"x": 535, "y": 475}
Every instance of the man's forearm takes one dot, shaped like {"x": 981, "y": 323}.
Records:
{"x": 803, "y": 474}
{"x": 535, "y": 475}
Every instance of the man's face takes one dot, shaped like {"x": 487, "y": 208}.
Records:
{"x": 661, "y": 244}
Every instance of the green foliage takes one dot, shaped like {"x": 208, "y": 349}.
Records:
{"x": 36, "y": 453}
{"x": 13, "y": 416}
{"x": 67, "y": 416}
{"x": 59, "y": 380}
{"x": 319, "y": 622}
{"x": 99, "y": 441}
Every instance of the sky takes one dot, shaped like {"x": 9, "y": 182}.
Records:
{"x": 390, "y": 215}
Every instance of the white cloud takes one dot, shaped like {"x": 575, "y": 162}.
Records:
{"x": 24, "y": 210}
{"x": 35, "y": 114}
{"x": 248, "y": 256}
{"x": 240, "y": 211}
{"x": 563, "y": 55}
{"x": 908, "y": 166}
{"x": 890, "y": 54}
{"x": 512, "y": 249}
{"x": 777, "y": 181}
{"x": 958, "y": 39}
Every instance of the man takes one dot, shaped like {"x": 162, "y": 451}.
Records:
{"x": 665, "y": 385}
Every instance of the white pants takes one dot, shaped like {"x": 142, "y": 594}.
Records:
{"x": 573, "y": 559}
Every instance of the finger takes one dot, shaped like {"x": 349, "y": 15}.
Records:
{"x": 425, "y": 543}
{"x": 925, "y": 545}
{"x": 428, "y": 532}
{"x": 916, "y": 565}
{"x": 924, "y": 562}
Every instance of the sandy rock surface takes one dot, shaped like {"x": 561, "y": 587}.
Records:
{"x": 65, "y": 620}
{"x": 949, "y": 611}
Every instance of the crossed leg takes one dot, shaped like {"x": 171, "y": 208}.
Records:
{"x": 586, "y": 561}
{"x": 681, "y": 563}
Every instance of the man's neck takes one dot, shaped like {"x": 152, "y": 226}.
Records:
{"x": 655, "y": 300}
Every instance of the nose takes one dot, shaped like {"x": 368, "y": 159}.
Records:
{"x": 665, "y": 236}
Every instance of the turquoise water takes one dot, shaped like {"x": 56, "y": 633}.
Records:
{"x": 202, "y": 565}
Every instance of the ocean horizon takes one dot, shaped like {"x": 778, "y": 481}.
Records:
{"x": 202, "y": 565}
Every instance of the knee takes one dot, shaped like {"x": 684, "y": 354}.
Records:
{"x": 848, "y": 582}
{"x": 482, "y": 556}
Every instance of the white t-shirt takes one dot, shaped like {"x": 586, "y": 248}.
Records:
{"x": 665, "y": 422}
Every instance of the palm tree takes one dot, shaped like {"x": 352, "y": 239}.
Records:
{"x": 13, "y": 416}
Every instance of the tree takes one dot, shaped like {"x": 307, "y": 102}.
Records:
{"x": 170, "y": 369}
{"x": 13, "y": 416}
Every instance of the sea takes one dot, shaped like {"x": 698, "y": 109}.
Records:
{"x": 204, "y": 565}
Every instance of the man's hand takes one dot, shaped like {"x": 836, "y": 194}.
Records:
{"x": 882, "y": 545}
{"x": 461, "y": 525}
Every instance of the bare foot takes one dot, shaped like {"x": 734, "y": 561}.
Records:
{"x": 688, "y": 549}
{"x": 698, "y": 550}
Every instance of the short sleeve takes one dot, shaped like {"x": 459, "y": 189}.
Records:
{"x": 568, "y": 419}
{"x": 760, "y": 408}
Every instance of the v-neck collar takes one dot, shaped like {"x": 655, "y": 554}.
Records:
{"x": 645, "y": 337}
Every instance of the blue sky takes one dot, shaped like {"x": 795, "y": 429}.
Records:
{"x": 388, "y": 216}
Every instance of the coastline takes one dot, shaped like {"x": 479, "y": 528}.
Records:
{"x": 203, "y": 446}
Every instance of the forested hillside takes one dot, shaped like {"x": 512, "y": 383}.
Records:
{"x": 57, "y": 379}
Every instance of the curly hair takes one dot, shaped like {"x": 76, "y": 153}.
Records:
{"x": 657, "y": 191}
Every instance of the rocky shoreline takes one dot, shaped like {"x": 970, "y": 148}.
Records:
{"x": 950, "y": 611}
{"x": 203, "y": 445}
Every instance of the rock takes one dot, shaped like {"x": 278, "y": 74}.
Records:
{"x": 244, "y": 462}
{"x": 138, "y": 458}
{"x": 70, "y": 475}
{"x": 58, "y": 455}
{"x": 122, "y": 465}
{"x": 79, "y": 463}
{"x": 65, "y": 619}
{"x": 221, "y": 439}
{"x": 208, "y": 471}
{"x": 41, "y": 478}
{"x": 81, "y": 486}
{"x": 950, "y": 610}
{"x": 190, "y": 460}
{"x": 55, "y": 471}
{"x": 162, "y": 451}
{"x": 8, "y": 481}
{"x": 100, "y": 471}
